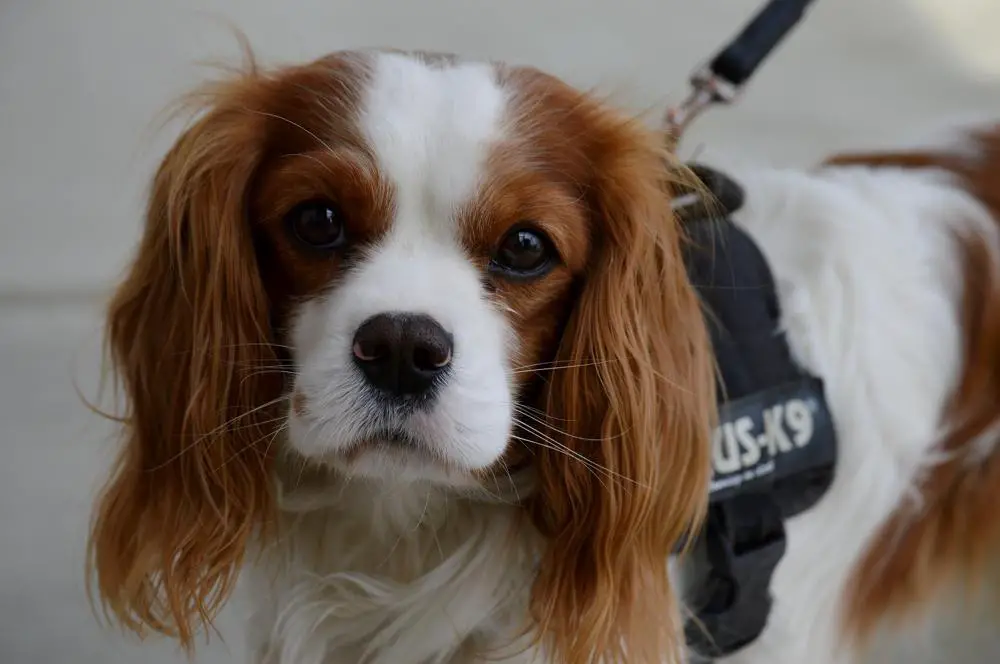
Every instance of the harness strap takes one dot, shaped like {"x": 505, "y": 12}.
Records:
{"x": 744, "y": 541}
{"x": 774, "y": 451}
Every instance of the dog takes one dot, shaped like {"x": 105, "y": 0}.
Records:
{"x": 411, "y": 356}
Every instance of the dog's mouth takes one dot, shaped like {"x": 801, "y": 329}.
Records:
{"x": 390, "y": 441}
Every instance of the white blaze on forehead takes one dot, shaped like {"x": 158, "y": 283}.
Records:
{"x": 431, "y": 126}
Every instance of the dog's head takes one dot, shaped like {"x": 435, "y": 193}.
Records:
{"x": 414, "y": 269}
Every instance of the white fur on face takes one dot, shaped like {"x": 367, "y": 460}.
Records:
{"x": 430, "y": 129}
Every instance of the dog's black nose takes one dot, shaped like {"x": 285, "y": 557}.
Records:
{"x": 402, "y": 354}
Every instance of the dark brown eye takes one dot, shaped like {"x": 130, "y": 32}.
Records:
{"x": 523, "y": 253}
{"x": 318, "y": 224}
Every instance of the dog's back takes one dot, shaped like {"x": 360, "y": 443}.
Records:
{"x": 888, "y": 269}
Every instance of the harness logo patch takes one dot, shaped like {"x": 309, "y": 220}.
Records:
{"x": 764, "y": 433}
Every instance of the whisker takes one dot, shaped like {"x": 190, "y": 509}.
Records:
{"x": 272, "y": 437}
{"x": 272, "y": 362}
{"x": 277, "y": 432}
{"x": 555, "y": 445}
{"x": 216, "y": 430}
{"x": 266, "y": 372}
{"x": 262, "y": 370}
{"x": 253, "y": 344}
{"x": 225, "y": 425}
{"x": 544, "y": 422}
{"x": 539, "y": 412}
{"x": 495, "y": 496}
{"x": 248, "y": 344}
{"x": 280, "y": 418}
{"x": 556, "y": 364}
{"x": 591, "y": 465}
{"x": 530, "y": 444}
{"x": 510, "y": 478}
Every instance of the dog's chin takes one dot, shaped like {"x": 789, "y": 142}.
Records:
{"x": 395, "y": 457}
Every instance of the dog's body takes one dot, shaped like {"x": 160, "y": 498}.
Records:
{"x": 870, "y": 270}
{"x": 871, "y": 264}
{"x": 318, "y": 220}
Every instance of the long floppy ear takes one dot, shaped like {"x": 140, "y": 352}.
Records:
{"x": 634, "y": 398}
{"x": 187, "y": 335}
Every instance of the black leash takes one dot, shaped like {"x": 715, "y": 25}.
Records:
{"x": 721, "y": 81}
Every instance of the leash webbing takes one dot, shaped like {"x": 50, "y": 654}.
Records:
{"x": 721, "y": 80}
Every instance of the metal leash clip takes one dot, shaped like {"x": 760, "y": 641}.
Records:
{"x": 707, "y": 89}
{"x": 723, "y": 78}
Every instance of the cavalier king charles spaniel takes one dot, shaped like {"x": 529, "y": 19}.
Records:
{"x": 411, "y": 357}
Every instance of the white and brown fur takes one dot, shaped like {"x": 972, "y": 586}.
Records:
{"x": 569, "y": 450}
{"x": 888, "y": 270}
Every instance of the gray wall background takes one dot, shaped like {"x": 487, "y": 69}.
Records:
{"x": 82, "y": 82}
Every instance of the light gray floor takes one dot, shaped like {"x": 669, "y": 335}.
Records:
{"x": 80, "y": 83}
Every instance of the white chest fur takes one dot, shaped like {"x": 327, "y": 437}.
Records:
{"x": 363, "y": 573}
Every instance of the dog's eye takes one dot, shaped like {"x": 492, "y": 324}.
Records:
{"x": 523, "y": 252}
{"x": 317, "y": 223}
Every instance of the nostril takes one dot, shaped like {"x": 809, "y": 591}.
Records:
{"x": 431, "y": 357}
{"x": 370, "y": 352}
{"x": 377, "y": 339}
{"x": 430, "y": 345}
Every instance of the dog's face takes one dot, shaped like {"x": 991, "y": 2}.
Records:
{"x": 430, "y": 243}
{"x": 411, "y": 268}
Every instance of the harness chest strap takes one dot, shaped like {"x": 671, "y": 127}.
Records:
{"x": 774, "y": 451}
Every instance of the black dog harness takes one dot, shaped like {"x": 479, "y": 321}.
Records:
{"x": 774, "y": 450}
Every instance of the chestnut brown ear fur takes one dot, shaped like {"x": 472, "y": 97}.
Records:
{"x": 187, "y": 335}
{"x": 634, "y": 396}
